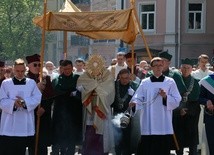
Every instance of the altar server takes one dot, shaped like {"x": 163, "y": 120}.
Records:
{"x": 157, "y": 96}
{"x": 19, "y": 96}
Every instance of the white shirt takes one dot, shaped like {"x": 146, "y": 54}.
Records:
{"x": 156, "y": 118}
{"x": 199, "y": 73}
{"x": 79, "y": 73}
{"x": 53, "y": 75}
{"x": 20, "y": 122}
{"x": 117, "y": 69}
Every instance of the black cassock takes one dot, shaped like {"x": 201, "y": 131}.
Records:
{"x": 67, "y": 113}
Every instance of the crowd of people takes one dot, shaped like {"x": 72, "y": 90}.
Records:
{"x": 81, "y": 105}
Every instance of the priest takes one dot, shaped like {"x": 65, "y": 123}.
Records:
{"x": 97, "y": 87}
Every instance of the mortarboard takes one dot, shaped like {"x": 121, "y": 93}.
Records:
{"x": 165, "y": 55}
{"x": 187, "y": 61}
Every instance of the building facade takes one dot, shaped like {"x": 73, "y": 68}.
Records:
{"x": 183, "y": 27}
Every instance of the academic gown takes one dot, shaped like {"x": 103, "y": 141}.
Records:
{"x": 67, "y": 113}
{"x": 186, "y": 129}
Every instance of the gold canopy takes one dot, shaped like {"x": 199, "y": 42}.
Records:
{"x": 118, "y": 24}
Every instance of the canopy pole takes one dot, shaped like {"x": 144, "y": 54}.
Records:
{"x": 133, "y": 61}
{"x": 65, "y": 36}
{"x": 140, "y": 29}
{"x": 41, "y": 73}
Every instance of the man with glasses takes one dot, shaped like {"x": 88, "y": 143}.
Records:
{"x": 156, "y": 97}
{"x": 44, "y": 111}
{"x": 187, "y": 126}
{"x": 19, "y": 96}
{"x": 173, "y": 73}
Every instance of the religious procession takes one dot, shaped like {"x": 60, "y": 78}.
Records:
{"x": 88, "y": 106}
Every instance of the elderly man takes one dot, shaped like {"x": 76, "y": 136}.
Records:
{"x": 187, "y": 126}
{"x": 44, "y": 111}
{"x": 157, "y": 96}
{"x": 19, "y": 96}
{"x": 49, "y": 66}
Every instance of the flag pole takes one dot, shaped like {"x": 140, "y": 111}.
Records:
{"x": 41, "y": 72}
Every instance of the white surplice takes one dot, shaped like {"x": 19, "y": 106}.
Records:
{"x": 18, "y": 122}
{"x": 156, "y": 118}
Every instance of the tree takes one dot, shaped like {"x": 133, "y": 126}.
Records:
{"x": 18, "y": 36}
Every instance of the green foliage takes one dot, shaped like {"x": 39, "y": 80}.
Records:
{"x": 18, "y": 35}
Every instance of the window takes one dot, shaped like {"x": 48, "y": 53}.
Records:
{"x": 81, "y": 1}
{"x": 196, "y": 16}
{"x": 79, "y": 41}
{"x": 147, "y": 16}
{"x": 104, "y": 41}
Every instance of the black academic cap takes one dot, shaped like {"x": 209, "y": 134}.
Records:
{"x": 187, "y": 61}
{"x": 165, "y": 55}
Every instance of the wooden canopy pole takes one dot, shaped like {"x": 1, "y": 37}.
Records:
{"x": 133, "y": 60}
{"x": 140, "y": 29}
{"x": 65, "y": 36}
{"x": 41, "y": 72}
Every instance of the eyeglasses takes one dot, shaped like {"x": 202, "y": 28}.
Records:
{"x": 36, "y": 65}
